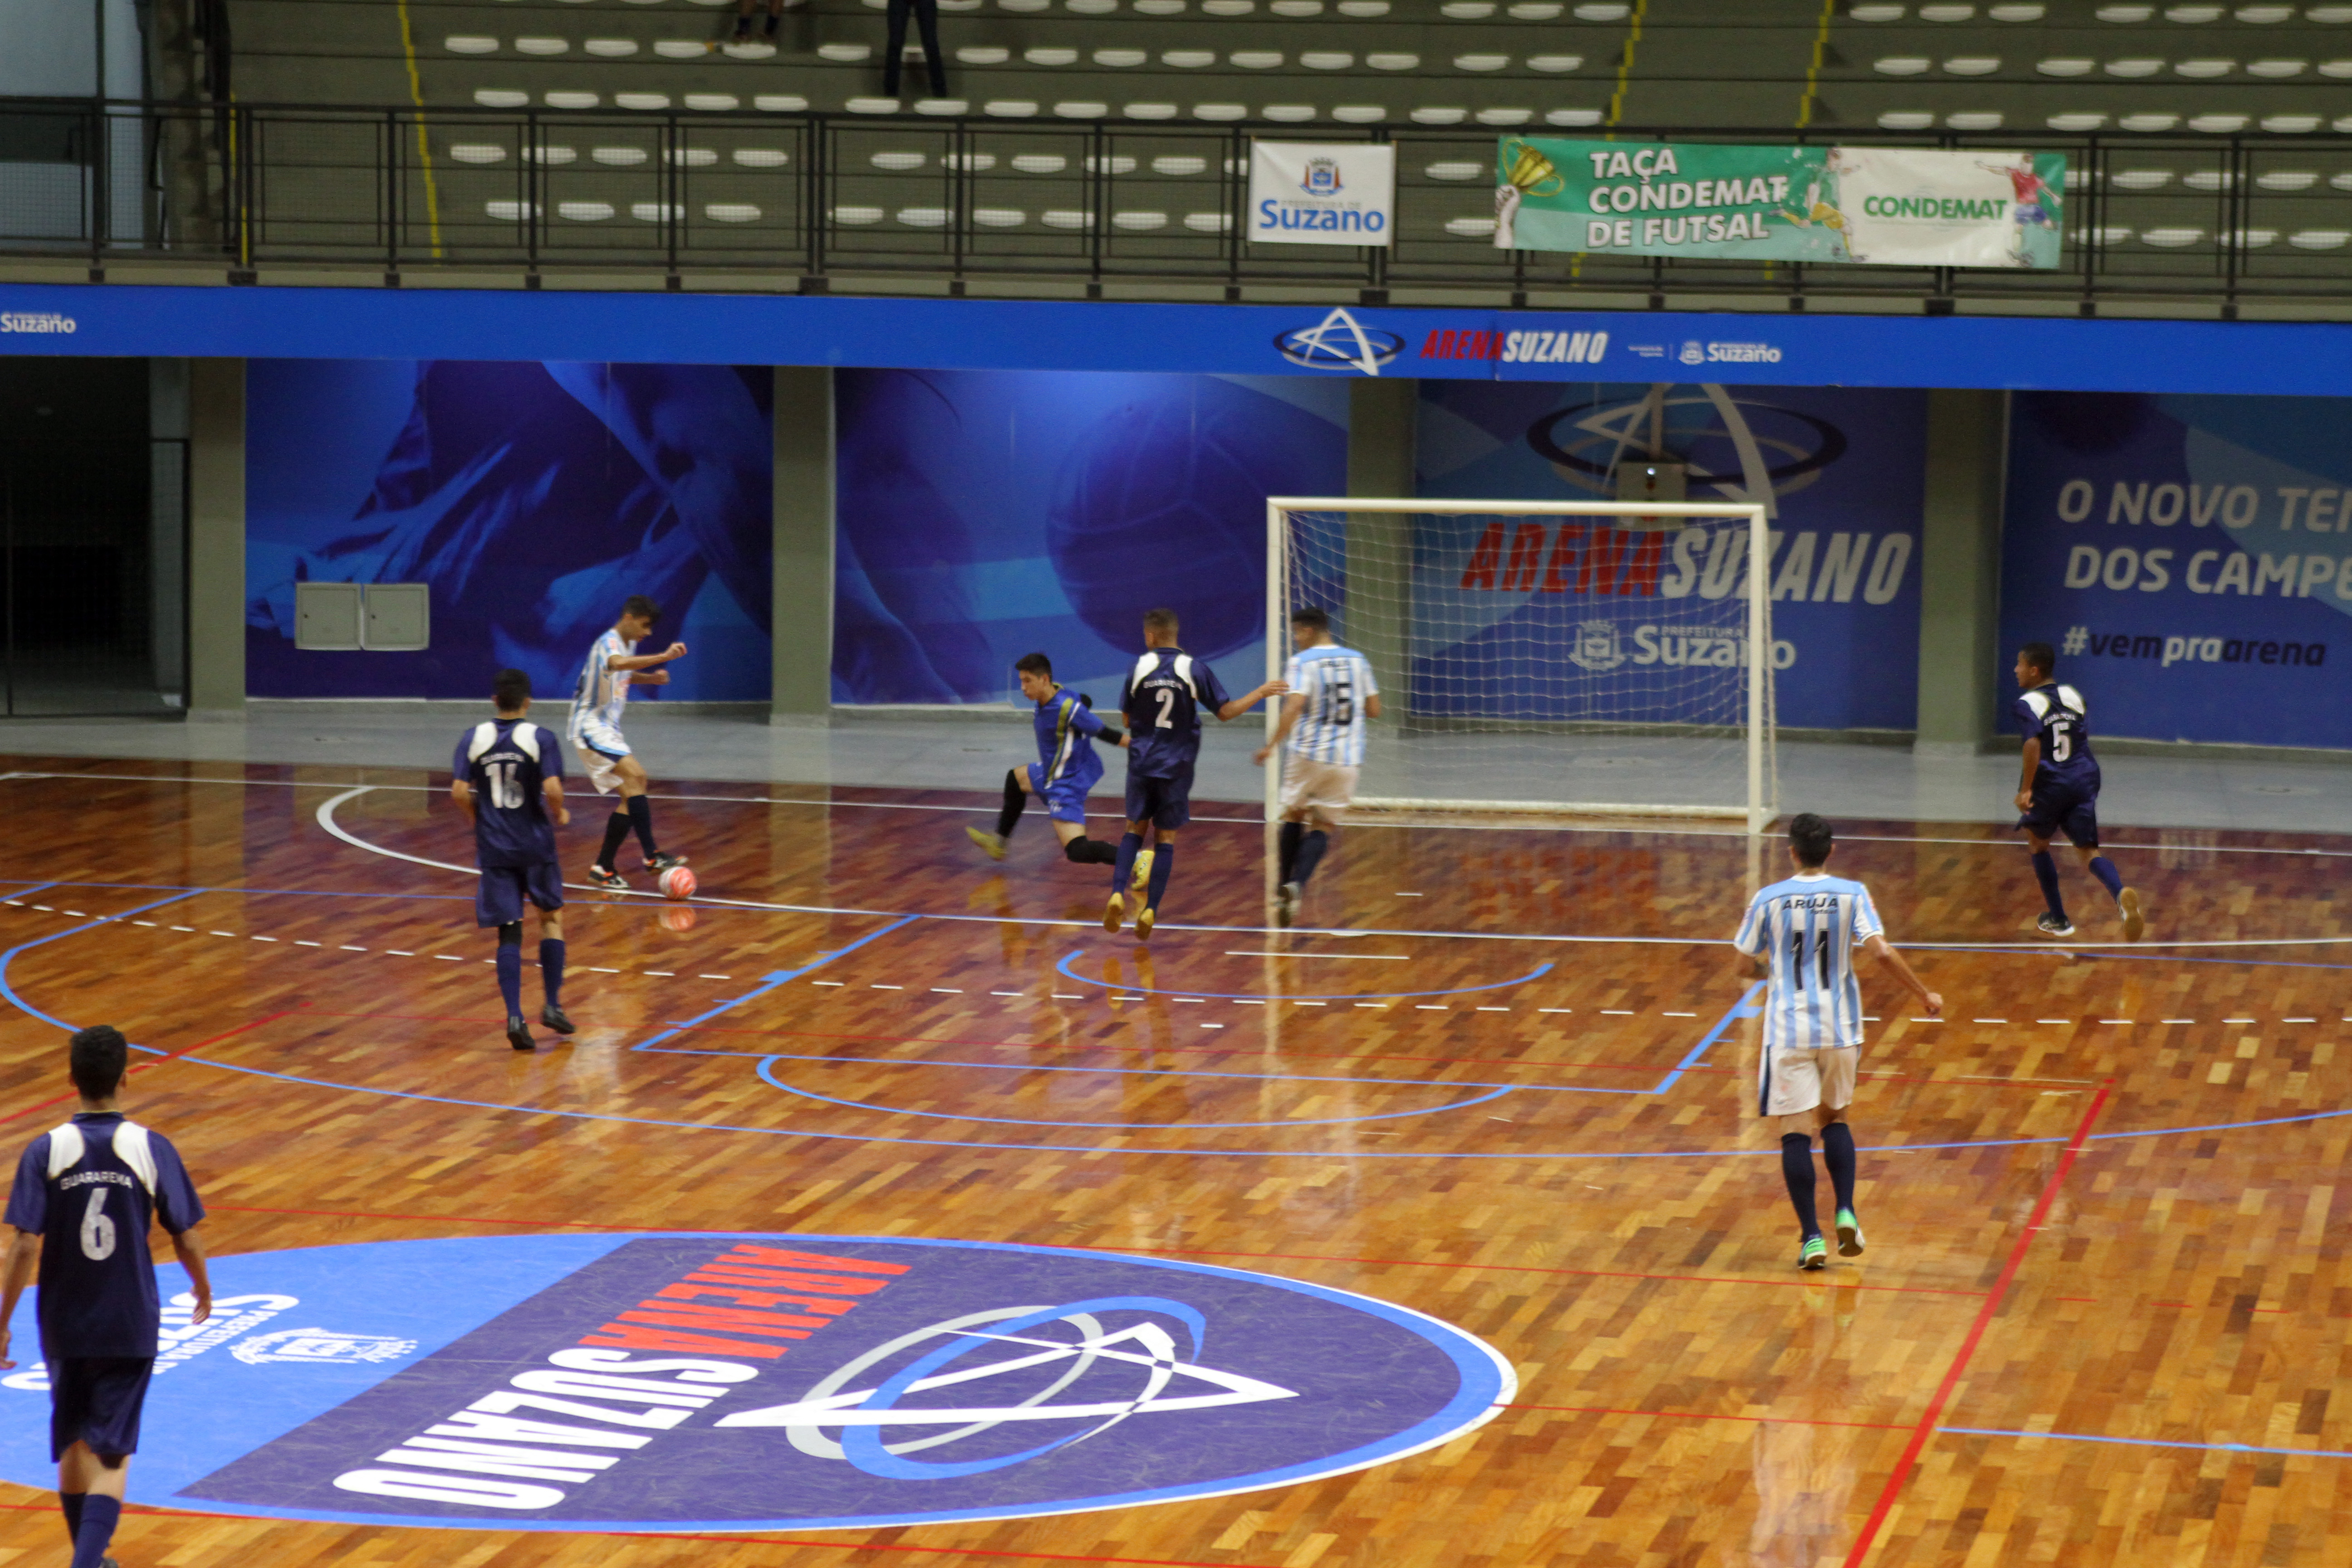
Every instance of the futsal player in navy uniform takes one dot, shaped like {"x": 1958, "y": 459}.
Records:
{"x": 85, "y": 1192}
{"x": 1065, "y": 768}
{"x": 2058, "y": 791}
{"x": 1162, "y": 701}
{"x": 507, "y": 775}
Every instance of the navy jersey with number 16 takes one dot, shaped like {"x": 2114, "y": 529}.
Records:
{"x": 505, "y": 760}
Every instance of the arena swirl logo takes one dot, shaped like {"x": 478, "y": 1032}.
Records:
{"x": 665, "y": 1382}
{"x": 1340, "y": 341}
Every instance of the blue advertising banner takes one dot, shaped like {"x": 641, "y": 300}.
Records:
{"x": 2189, "y": 558}
{"x": 531, "y": 498}
{"x": 1771, "y": 349}
{"x": 986, "y": 515}
{"x": 710, "y": 1382}
{"x": 1842, "y": 471}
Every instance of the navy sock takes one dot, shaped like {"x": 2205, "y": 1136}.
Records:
{"x": 98, "y": 1516}
{"x": 2109, "y": 877}
{"x": 1796, "y": 1170}
{"x": 616, "y": 828}
{"x": 1163, "y": 860}
{"x": 1286, "y": 850}
{"x": 71, "y": 1503}
{"x": 1837, "y": 1153}
{"x": 1008, "y": 815}
{"x": 1085, "y": 851}
{"x": 1310, "y": 855}
{"x": 510, "y": 967}
{"x": 2045, "y": 871}
{"x": 1130, "y": 845}
{"x": 551, "y": 969}
{"x": 641, "y": 818}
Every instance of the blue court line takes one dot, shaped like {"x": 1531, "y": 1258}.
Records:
{"x": 1063, "y": 969}
{"x": 2150, "y": 1442}
{"x": 771, "y": 981}
{"x": 10, "y": 957}
{"x": 1745, "y": 1007}
{"x": 1128, "y": 1126}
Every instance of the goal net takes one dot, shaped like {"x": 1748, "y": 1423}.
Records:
{"x": 1586, "y": 657}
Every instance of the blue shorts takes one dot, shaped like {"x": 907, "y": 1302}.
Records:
{"x": 1162, "y": 802}
{"x": 1065, "y": 799}
{"x": 498, "y": 900}
{"x": 2070, "y": 809}
{"x": 97, "y": 1400}
{"x": 2032, "y": 213}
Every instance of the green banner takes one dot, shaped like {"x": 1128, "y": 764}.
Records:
{"x": 1888, "y": 206}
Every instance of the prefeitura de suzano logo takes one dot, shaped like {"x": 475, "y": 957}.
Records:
{"x": 716, "y": 1382}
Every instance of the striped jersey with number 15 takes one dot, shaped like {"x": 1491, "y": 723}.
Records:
{"x": 1806, "y": 930}
{"x": 1334, "y": 681}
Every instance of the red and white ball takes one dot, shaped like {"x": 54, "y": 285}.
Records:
{"x": 677, "y": 882}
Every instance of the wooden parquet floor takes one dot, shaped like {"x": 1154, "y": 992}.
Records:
{"x": 2102, "y": 1318}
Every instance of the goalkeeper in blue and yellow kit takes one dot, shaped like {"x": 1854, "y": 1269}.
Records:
{"x": 1066, "y": 769}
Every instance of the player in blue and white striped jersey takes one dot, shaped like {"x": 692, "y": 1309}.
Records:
{"x": 1332, "y": 693}
{"x": 1802, "y": 933}
{"x": 598, "y": 700}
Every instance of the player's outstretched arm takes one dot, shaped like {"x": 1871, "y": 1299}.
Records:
{"x": 463, "y": 794}
{"x": 552, "y": 789}
{"x": 645, "y": 660}
{"x": 2032, "y": 759}
{"x": 1885, "y": 954}
{"x": 1292, "y": 707}
{"x": 1242, "y": 704}
{"x": 24, "y": 1256}
{"x": 190, "y": 1251}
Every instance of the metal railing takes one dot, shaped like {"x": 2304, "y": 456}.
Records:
{"x": 2249, "y": 217}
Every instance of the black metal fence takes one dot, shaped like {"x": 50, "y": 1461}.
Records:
{"x": 818, "y": 196}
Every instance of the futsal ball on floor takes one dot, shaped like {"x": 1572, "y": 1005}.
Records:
{"x": 677, "y": 882}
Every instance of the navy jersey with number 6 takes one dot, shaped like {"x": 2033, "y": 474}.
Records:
{"x": 2055, "y": 714}
{"x": 88, "y": 1189}
{"x": 505, "y": 760}
{"x": 1162, "y": 701}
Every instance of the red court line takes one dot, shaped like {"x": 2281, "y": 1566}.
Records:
{"x": 1703, "y": 1415}
{"x": 1154, "y": 1251}
{"x": 1968, "y": 1350}
{"x": 143, "y": 1064}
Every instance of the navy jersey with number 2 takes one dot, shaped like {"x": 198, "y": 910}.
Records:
{"x": 1162, "y": 701}
{"x": 505, "y": 760}
{"x": 88, "y": 1189}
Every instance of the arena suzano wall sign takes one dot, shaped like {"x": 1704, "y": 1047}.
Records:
{"x": 659, "y": 1381}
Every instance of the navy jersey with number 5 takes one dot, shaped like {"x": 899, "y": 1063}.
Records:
{"x": 88, "y": 1189}
{"x": 505, "y": 760}
{"x": 2055, "y": 714}
{"x": 1162, "y": 701}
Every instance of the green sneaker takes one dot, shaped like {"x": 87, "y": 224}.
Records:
{"x": 1814, "y": 1254}
{"x": 1849, "y": 1231}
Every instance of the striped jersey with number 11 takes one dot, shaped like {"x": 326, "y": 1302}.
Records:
{"x": 1335, "y": 681}
{"x": 1806, "y": 930}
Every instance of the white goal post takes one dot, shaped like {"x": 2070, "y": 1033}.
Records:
{"x": 1496, "y": 635}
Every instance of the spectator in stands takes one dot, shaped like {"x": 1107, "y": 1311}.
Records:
{"x": 927, "y": 17}
{"x": 743, "y": 9}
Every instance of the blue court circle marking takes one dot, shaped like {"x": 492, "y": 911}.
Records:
{"x": 1064, "y": 969}
{"x": 769, "y": 1076}
{"x": 9, "y": 991}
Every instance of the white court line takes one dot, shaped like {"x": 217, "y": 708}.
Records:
{"x": 1374, "y": 957}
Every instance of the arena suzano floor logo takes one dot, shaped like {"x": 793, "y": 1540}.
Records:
{"x": 657, "y": 1381}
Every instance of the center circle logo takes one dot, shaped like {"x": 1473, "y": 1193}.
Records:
{"x": 602, "y": 1382}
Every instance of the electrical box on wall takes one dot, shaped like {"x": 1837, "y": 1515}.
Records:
{"x": 380, "y": 618}
{"x": 399, "y": 616}
{"x": 326, "y": 614}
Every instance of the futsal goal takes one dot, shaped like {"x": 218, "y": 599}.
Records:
{"x": 1567, "y": 657}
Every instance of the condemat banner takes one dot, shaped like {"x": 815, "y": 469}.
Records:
{"x": 1879, "y": 205}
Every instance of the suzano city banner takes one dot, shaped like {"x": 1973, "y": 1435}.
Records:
{"x": 1883, "y": 206}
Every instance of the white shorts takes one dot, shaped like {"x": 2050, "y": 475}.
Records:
{"x": 1791, "y": 1082}
{"x": 1324, "y": 786}
{"x": 601, "y": 748}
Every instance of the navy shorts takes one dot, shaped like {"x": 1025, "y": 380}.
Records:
{"x": 498, "y": 900}
{"x": 2064, "y": 808}
{"x": 1164, "y": 803}
{"x": 97, "y": 1400}
{"x": 1065, "y": 799}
